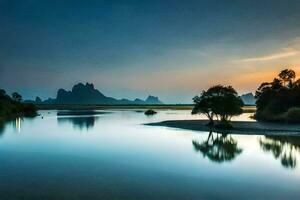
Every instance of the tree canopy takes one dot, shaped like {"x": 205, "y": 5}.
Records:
{"x": 220, "y": 102}
{"x": 277, "y": 100}
{"x": 11, "y": 106}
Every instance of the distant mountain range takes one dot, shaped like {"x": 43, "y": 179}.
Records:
{"x": 248, "y": 99}
{"x": 87, "y": 94}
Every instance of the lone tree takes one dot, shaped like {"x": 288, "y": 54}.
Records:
{"x": 220, "y": 102}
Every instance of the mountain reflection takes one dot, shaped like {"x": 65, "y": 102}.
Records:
{"x": 284, "y": 148}
{"x": 79, "y": 122}
{"x": 218, "y": 148}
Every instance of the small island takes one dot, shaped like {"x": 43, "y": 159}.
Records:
{"x": 277, "y": 109}
{"x": 150, "y": 112}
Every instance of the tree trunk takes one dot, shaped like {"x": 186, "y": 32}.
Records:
{"x": 211, "y": 121}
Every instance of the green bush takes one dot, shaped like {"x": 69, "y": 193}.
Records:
{"x": 292, "y": 115}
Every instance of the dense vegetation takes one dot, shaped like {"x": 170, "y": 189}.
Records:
{"x": 279, "y": 100}
{"x": 12, "y": 106}
{"x": 220, "y": 102}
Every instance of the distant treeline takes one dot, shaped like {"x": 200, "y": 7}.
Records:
{"x": 12, "y": 106}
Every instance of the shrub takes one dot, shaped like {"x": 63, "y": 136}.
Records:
{"x": 150, "y": 112}
{"x": 292, "y": 115}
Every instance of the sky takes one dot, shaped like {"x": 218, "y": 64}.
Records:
{"x": 130, "y": 49}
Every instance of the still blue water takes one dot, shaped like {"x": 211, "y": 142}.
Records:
{"x": 115, "y": 156}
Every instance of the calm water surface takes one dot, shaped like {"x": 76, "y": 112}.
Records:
{"x": 115, "y": 156}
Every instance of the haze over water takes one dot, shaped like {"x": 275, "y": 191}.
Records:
{"x": 115, "y": 156}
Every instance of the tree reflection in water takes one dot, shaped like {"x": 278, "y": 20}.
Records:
{"x": 2, "y": 127}
{"x": 284, "y": 148}
{"x": 218, "y": 148}
{"x": 15, "y": 122}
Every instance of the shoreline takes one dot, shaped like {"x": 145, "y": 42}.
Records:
{"x": 17, "y": 115}
{"x": 240, "y": 127}
{"x": 248, "y": 109}
{"x": 108, "y": 106}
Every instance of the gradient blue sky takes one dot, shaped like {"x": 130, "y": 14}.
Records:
{"x": 172, "y": 49}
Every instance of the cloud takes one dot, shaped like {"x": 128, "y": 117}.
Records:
{"x": 269, "y": 57}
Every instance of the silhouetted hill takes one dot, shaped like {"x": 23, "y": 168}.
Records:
{"x": 138, "y": 101}
{"x": 153, "y": 100}
{"x": 87, "y": 94}
{"x": 248, "y": 99}
{"x": 83, "y": 94}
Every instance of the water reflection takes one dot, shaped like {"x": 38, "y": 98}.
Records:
{"x": 284, "y": 148}
{"x": 2, "y": 127}
{"x": 17, "y": 124}
{"x": 79, "y": 122}
{"x": 14, "y": 122}
{"x": 218, "y": 147}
